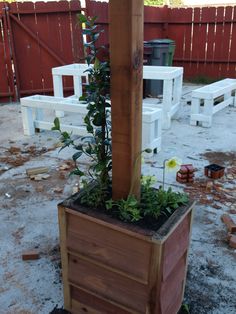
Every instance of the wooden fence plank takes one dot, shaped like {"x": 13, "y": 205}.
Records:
{"x": 219, "y": 34}
{"x": 232, "y": 54}
{"x": 203, "y": 41}
{"x": 155, "y": 19}
{"x": 43, "y": 33}
{"x": 225, "y": 46}
{"x": 76, "y": 38}
{"x": 28, "y": 50}
{"x": 7, "y": 91}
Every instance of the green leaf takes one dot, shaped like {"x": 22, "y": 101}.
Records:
{"x": 82, "y": 18}
{"x": 93, "y": 19}
{"x": 83, "y": 98}
{"x": 77, "y": 155}
{"x": 56, "y": 124}
{"x": 65, "y": 135}
{"x": 89, "y": 128}
{"x": 96, "y": 64}
{"x": 109, "y": 204}
{"x": 77, "y": 172}
{"x": 97, "y": 121}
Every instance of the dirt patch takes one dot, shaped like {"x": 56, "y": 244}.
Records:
{"x": 221, "y": 158}
{"x": 16, "y": 156}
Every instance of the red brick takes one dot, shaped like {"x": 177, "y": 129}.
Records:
{"x": 232, "y": 241}
{"x": 30, "y": 255}
{"x": 180, "y": 180}
{"x": 228, "y": 221}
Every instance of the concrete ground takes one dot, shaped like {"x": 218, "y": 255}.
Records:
{"x": 28, "y": 211}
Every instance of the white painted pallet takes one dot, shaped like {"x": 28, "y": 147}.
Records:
{"x": 33, "y": 117}
{"x": 172, "y": 78}
{"x": 203, "y": 105}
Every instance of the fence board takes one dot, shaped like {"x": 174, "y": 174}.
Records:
{"x": 232, "y": 52}
{"x": 225, "y": 42}
{"x": 44, "y": 37}
{"x": 202, "y": 64}
{"x": 155, "y": 22}
{"x": 7, "y": 91}
{"x": 99, "y": 9}
{"x": 179, "y": 29}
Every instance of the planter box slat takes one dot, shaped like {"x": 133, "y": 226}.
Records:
{"x": 175, "y": 246}
{"x": 119, "y": 251}
{"x": 83, "y": 302}
{"x": 117, "y": 288}
{"x": 111, "y": 267}
{"x": 174, "y": 285}
{"x": 111, "y": 223}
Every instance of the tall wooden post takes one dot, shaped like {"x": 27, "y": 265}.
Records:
{"x": 126, "y": 53}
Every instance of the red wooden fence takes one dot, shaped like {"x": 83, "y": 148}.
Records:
{"x": 41, "y": 36}
{"x": 205, "y": 37}
{"x": 34, "y": 37}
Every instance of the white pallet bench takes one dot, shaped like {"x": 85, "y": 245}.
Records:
{"x": 204, "y": 104}
{"x": 33, "y": 118}
{"x": 172, "y": 78}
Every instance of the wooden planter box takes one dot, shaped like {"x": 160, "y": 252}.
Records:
{"x": 113, "y": 267}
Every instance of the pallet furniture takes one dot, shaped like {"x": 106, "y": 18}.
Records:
{"x": 77, "y": 70}
{"x": 33, "y": 118}
{"x": 172, "y": 78}
{"x": 208, "y": 100}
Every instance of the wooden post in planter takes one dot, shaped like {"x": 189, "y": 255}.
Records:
{"x": 126, "y": 51}
{"x": 111, "y": 266}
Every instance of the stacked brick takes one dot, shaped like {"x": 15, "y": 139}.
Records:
{"x": 185, "y": 174}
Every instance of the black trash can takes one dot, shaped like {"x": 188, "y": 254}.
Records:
{"x": 158, "y": 52}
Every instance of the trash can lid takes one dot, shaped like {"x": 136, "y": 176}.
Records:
{"x": 162, "y": 41}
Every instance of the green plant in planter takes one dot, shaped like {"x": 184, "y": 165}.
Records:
{"x": 96, "y": 146}
{"x": 154, "y": 203}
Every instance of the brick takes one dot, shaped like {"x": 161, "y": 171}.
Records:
{"x": 228, "y": 221}
{"x": 183, "y": 169}
{"x": 30, "y": 255}
{"x": 187, "y": 169}
{"x": 180, "y": 180}
{"x": 232, "y": 241}
{"x": 182, "y": 176}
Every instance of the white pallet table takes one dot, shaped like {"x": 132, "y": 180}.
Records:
{"x": 172, "y": 88}
{"x": 77, "y": 70}
{"x": 172, "y": 78}
{"x": 203, "y": 105}
{"x": 151, "y": 118}
{"x": 151, "y": 129}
